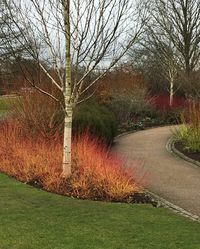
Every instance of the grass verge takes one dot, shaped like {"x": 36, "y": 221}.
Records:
{"x": 32, "y": 218}
{"x": 6, "y": 104}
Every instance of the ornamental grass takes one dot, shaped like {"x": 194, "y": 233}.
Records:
{"x": 96, "y": 173}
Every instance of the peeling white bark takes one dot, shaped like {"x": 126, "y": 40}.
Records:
{"x": 67, "y": 141}
{"x": 67, "y": 94}
{"x": 171, "y": 97}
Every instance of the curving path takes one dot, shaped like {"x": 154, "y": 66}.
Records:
{"x": 169, "y": 177}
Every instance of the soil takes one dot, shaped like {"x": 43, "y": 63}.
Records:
{"x": 140, "y": 198}
{"x": 193, "y": 155}
{"x": 135, "y": 198}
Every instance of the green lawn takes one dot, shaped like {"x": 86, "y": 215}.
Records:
{"x": 6, "y": 104}
{"x": 31, "y": 218}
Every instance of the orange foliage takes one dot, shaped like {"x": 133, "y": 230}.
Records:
{"x": 100, "y": 173}
{"x": 119, "y": 80}
{"x": 96, "y": 174}
{"x": 28, "y": 160}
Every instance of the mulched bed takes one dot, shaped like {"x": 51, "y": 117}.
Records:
{"x": 135, "y": 198}
{"x": 139, "y": 198}
{"x": 193, "y": 155}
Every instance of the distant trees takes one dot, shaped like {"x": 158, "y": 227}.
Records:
{"x": 179, "y": 20}
{"x": 3, "y": 45}
{"x": 10, "y": 47}
{"x": 162, "y": 51}
{"x": 171, "y": 40}
{"x": 4, "y": 30}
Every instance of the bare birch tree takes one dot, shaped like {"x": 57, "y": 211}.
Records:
{"x": 160, "y": 47}
{"x": 180, "y": 20}
{"x": 172, "y": 37}
{"x": 87, "y": 34}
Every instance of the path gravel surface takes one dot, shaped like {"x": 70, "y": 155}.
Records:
{"x": 170, "y": 177}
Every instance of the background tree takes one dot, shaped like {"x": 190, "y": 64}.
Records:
{"x": 88, "y": 34}
{"x": 169, "y": 50}
{"x": 180, "y": 21}
{"x": 9, "y": 45}
{"x": 161, "y": 50}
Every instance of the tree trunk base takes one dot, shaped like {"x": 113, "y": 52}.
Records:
{"x": 66, "y": 172}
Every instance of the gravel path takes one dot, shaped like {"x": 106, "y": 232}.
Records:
{"x": 169, "y": 177}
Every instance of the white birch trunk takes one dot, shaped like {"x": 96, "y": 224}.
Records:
{"x": 171, "y": 94}
{"x": 67, "y": 139}
{"x": 67, "y": 95}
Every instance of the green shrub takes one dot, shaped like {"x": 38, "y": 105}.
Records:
{"x": 97, "y": 119}
{"x": 171, "y": 116}
{"x": 127, "y": 104}
{"x": 37, "y": 114}
{"x": 189, "y": 132}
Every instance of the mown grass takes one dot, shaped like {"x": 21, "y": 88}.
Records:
{"x": 6, "y": 104}
{"x": 32, "y": 218}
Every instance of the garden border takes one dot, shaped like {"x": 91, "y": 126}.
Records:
{"x": 171, "y": 148}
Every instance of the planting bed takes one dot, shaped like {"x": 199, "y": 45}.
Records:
{"x": 134, "y": 198}
{"x": 96, "y": 173}
{"x": 193, "y": 155}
